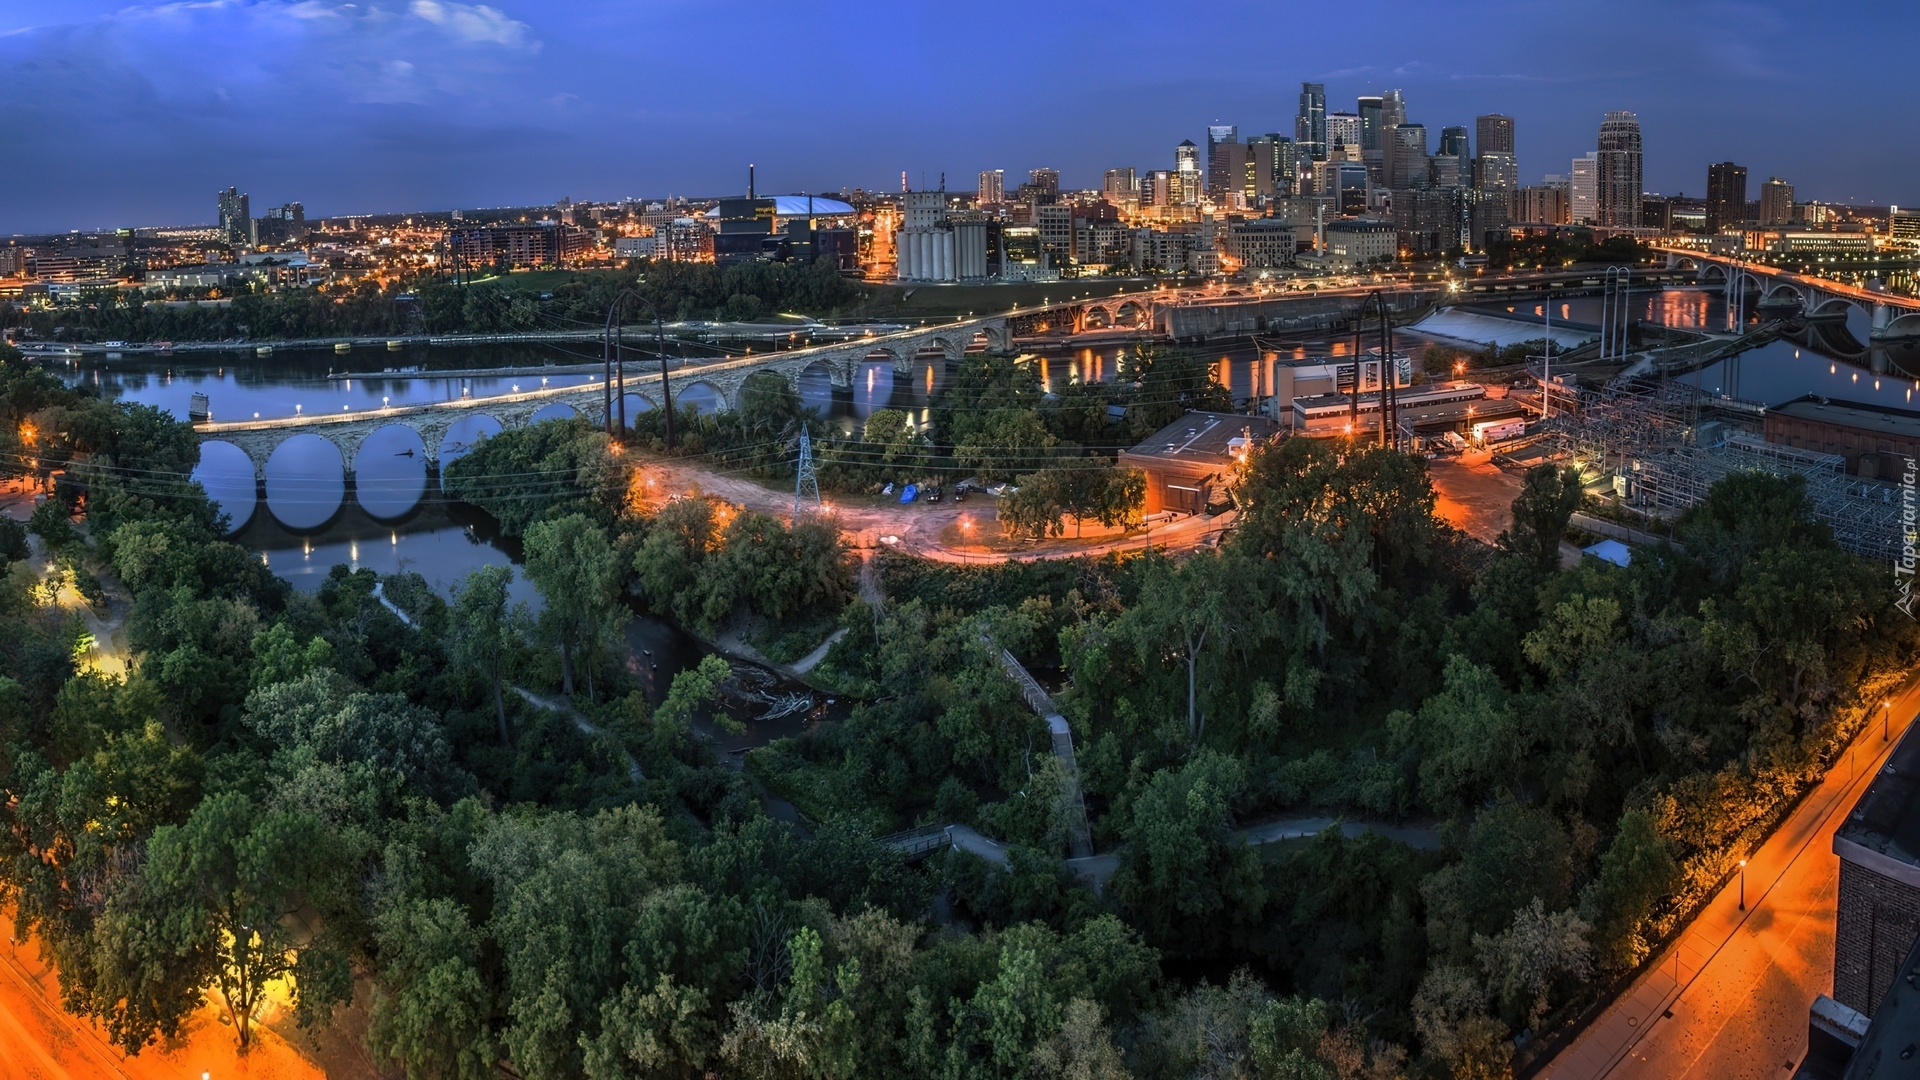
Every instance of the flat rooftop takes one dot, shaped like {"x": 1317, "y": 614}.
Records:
{"x": 1205, "y": 438}
{"x": 1887, "y": 817}
{"x": 1854, "y": 414}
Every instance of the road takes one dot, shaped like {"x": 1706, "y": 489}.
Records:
{"x": 931, "y": 530}
{"x": 1729, "y": 1000}
{"x": 40, "y": 1041}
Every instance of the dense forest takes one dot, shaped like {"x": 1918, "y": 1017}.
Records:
{"x": 436, "y": 305}
{"x": 291, "y": 801}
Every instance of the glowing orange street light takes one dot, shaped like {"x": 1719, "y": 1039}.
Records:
{"x": 1743, "y": 884}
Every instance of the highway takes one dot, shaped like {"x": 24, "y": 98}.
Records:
{"x": 1729, "y": 1000}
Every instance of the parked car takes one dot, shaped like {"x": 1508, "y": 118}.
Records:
{"x": 933, "y": 494}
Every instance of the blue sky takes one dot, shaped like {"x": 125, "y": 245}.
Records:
{"x": 130, "y": 114}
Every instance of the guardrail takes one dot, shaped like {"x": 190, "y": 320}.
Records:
{"x": 917, "y": 844}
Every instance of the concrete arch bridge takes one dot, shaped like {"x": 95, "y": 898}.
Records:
{"x": 446, "y": 428}
{"x": 1823, "y": 305}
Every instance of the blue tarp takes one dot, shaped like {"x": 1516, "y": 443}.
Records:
{"x": 908, "y": 495}
{"x": 1612, "y": 551}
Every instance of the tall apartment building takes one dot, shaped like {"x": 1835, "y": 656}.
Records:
{"x": 1583, "y": 189}
{"x": 1543, "y": 205}
{"x": 1776, "y": 202}
{"x": 1119, "y": 185}
{"x": 1726, "y": 196}
{"x": 1618, "y": 179}
{"x": 993, "y": 187}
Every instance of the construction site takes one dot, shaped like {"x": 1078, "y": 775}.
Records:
{"x": 1665, "y": 443}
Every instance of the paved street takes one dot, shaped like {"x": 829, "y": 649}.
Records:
{"x": 935, "y": 530}
{"x": 40, "y": 1041}
{"x": 1729, "y": 1001}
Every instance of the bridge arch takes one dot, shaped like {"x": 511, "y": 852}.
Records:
{"x": 559, "y": 410}
{"x": 306, "y": 480}
{"x": 702, "y": 397}
{"x": 952, "y": 347}
{"x": 465, "y": 433}
{"x": 231, "y": 478}
{"x": 1096, "y": 317}
{"x": 1131, "y": 313}
{"x": 1905, "y": 329}
{"x": 389, "y": 470}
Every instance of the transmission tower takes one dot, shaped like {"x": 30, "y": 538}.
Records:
{"x": 806, "y": 483}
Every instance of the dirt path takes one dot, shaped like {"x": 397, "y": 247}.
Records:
{"x": 586, "y": 726}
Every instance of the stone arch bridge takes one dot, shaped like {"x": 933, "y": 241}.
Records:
{"x": 432, "y": 421}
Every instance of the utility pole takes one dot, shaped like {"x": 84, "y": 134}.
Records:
{"x": 806, "y": 483}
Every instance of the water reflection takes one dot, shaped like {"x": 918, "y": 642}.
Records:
{"x": 306, "y": 481}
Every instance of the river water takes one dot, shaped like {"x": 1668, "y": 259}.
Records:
{"x": 390, "y": 520}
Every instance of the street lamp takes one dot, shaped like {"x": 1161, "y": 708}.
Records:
{"x": 1743, "y": 884}
{"x": 966, "y": 531}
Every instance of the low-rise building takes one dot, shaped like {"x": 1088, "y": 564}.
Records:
{"x": 1261, "y": 243}
{"x": 1877, "y": 441}
{"x": 1189, "y": 464}
{"x": 1355, "y": 242}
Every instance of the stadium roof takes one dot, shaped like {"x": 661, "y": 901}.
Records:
{"x": 796, "y": 206}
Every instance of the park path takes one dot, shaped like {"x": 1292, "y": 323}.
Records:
{"x": 1729, "y": 997}
{"x": 586, "y": 726}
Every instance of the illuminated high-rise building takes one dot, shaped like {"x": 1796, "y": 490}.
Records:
{"x": 1310, "y": 123}
{"x": 1220, "y": 171}
{"x": 1119, "y": 185}
{"x": 1776, "y": 202}
{"x": 236, "y": 217}
{"x": 1453, "y": 166}
{"x": 1369, "y": 114}
{"x": 1617, "y": 180}
{"x": 1408, "y": 165}
{"x": 1582, "y": 189}
{"x": 1186, "y": 168}
{"x": 993, "y": 187}
{"x": 1343, "y": 129}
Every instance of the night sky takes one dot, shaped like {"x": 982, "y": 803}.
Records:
{"x": 115, "y": 115}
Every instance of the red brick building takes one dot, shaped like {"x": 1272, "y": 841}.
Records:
{"x": 1875, "y": 440}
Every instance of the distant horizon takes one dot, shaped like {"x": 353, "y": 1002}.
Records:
{"x": 123, "y": 113}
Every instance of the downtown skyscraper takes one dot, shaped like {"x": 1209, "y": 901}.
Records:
{"x": 1310, "y": 124}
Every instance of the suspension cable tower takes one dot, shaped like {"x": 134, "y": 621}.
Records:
{"x": 806, "y": 483}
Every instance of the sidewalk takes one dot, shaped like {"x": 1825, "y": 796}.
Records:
{"x": 1790, "y": 874}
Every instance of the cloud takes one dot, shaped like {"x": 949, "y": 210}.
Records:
{"x": 474, "y": 22}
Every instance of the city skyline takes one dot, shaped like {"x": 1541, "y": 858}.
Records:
{"x": 147, "y": 109}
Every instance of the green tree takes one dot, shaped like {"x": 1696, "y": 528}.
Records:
{"x": 208, "y": 910}
{"x": 577, "y": 572}
{"x": 1540, "y": 514}
{"x": 483, "y": 635}
{"x": 1183, "y": 878}
{"x": 1004, "y": 442}
{"x": 431, "y": 1013}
